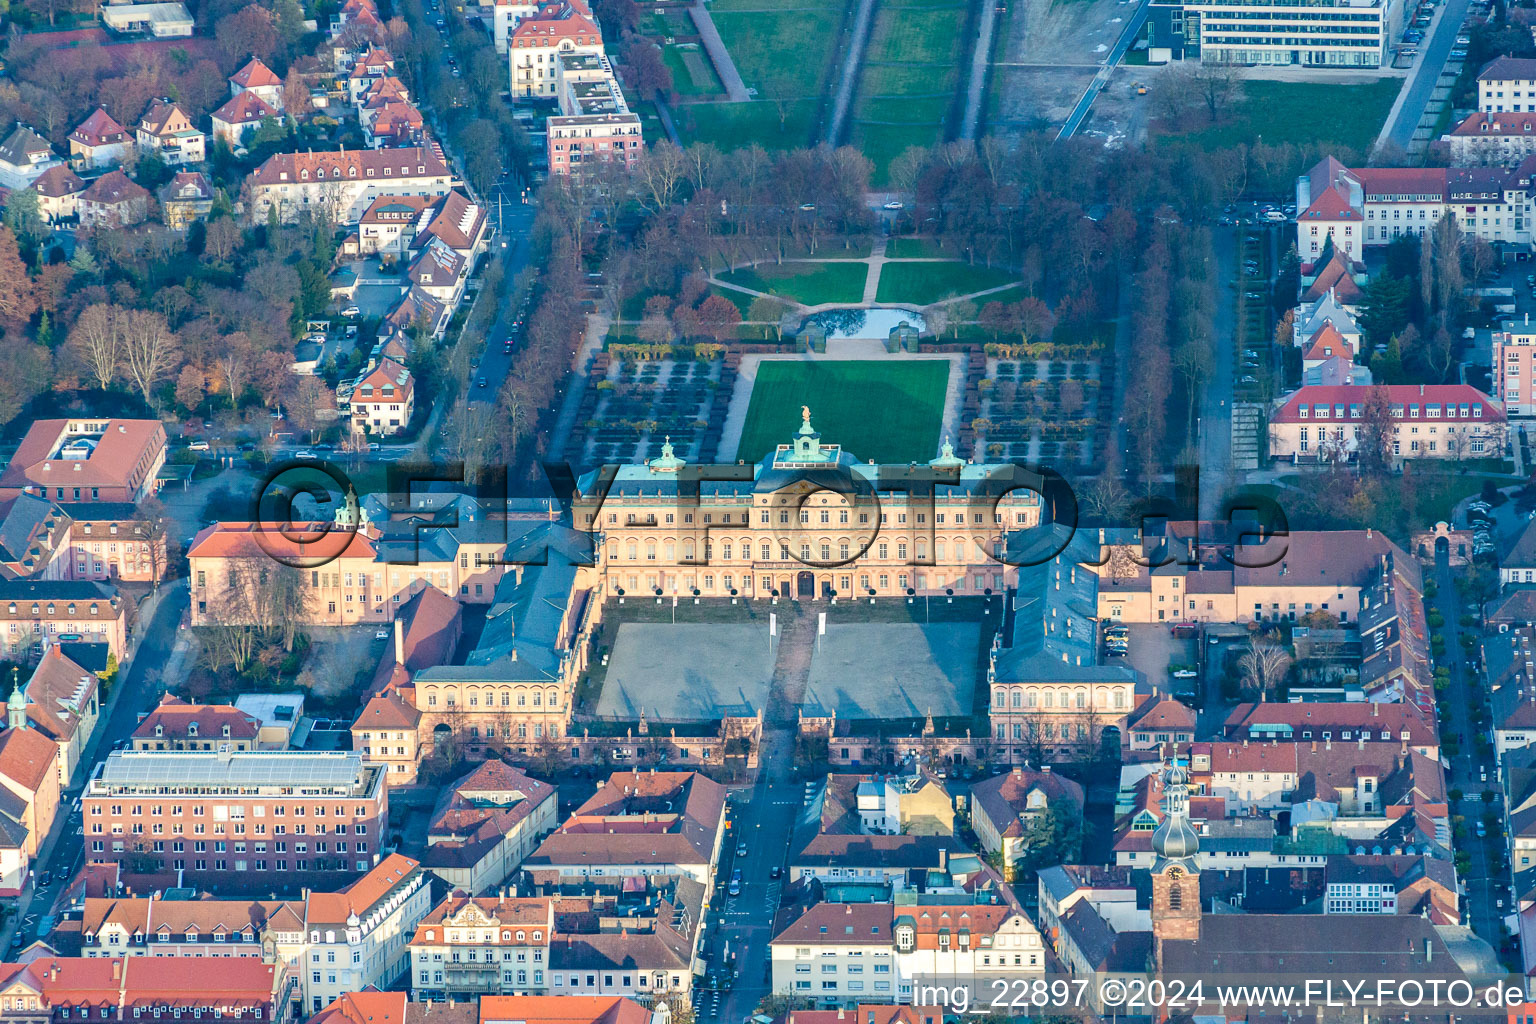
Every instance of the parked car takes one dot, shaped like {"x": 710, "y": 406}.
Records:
{"x": 351, "y": 311}
{"x": 304, "y": 453}
{"x": 894, "y": 204}
{"x": 197, "y": 446}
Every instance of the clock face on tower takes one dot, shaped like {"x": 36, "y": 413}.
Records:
{"x": 1175, "y": 874}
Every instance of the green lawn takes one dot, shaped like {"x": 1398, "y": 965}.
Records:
{"x": 922, "y": 283}
{"x": 781, "y": 53}
{"x": 683, "y": 81}
{"x": 1279, "y": 112}
{"x": 908, "y": 83}
{"x": 914, "y": 248}
{"x": 733, "y": 125}
{"x": 807, "y": 283}
{"x": 886, "y": 411}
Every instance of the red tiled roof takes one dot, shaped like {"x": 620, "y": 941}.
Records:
{"x": 98, "y": 130}
{"x": 1505, "y": 69}
{"x": 1327, "y": 342}
{"x": 112, "y": 188}
{"x": 1493, "y": 126}
{"x": 377, "y": 164}
{"x": 244, "y": 108}
{"x": 359, "y": 897}
{"x": 58, "y": 181}
{"x": 255, "y": 74}
{"x": 122, "y": 447}
{"x": 264, "y": 540}
{"x": 1347, "y": 395}
{"x": 26, "y": 757}
{"x": 562, "y": 1010}
{"x": 1395, "y": 181}
{"x": 174, "y": 717}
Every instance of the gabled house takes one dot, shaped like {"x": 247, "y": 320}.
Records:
{"x": 186, "y": 198}
{"x": 1006, "y": 809}
{"x": 241, "y": 115}
{"x": 99, "y": 142}
{"x": 166, "y": 131}
{"x": 63, "y": 704}
{"x": 113, "y": 201}
{"x": 384, "y": 400}
{"x": 439, "y": 272}
{"x": 255, "y": 77}
{"x": 24, "y": 156}
{"x": 58, "y": 192}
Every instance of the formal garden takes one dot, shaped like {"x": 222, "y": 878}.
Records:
{"x": 634, "y": 405}
{"x": 1045, "y": 411}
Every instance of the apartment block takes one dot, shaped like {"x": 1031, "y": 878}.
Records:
{"x": 276, "y": 819}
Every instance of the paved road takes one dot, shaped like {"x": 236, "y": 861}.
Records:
{"x": 136, "y": 692}
{"x": 1216, "y": 402}
{"x": 735, "y": 88}
{"x": 1127, "y": 37}
{"x": 1433, "y": 52}
{"x": 1484, "y": 884}
{"x": 863, "y": 19}
{"x": 745, "y": 922}
{"x": 494, "y": 363}
{"x": 981, "y": 58}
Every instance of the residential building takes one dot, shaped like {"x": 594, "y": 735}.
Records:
{"x": 241, "y": 115}
{"x": 1491, "y": 139}
{"x": 37, "y": 614}
{"x": 440, "y": 272}
{"x": 395, "y": 1008}
{"x": 176, "y": 810}
{"x": 259, "y": 80}
{"x": 1420, "y": 886}
{"x": 185, "y": 199}
{"x": 1511, "y": 692}
{"x": 1346, "y": 722}
{"x": 176, "y": 725}
{"x": 877, "y": 829}
{"x": 342, "y": 184}
{"x": 84, "y": 460}
{"x": 566, "y": 1009}
{"x": 468, "y": 946}
{"x": 29, "y": 778}
{"x": 534, "y": 46}
{"x": 640, "y": 823}
{"x": 62, "y": 703}
{"x": 166, "y": 131}
{"x": 113, "y": 200}
{"x": 485, "y": 825}
{"x": 58, "y": 190}
{"x": 652, "y": 537}
{"x": 1159, "y": 720}
{"x": 1428, "y": 421}
{"x": 163, "y": 925}
{"x": 1517, "y": 562}
{"x": 389, "y": 224}
{"x": 359, "y": 937}
{"x": 99, "y": 142}
{"x": 1336, "y": 35}
{"x": 841, "y": 954}
{"x": 161, "y": 20}
{"x": 223, "y": 558}
{"x": 384, "y": 400}
{"x": 24, "y": 156}
{"x": 1507, "y": 85}
{"x": 142, "y": 988}
{"x": 1514, "y": 365}
{"x": 108, "y": 541}
{"x": 594, "y": 124}
{"x": 633, "y": 938}
{"x": 1012, "y": 812}
{"x": 506, "y": 15}
{"x": 279, "y": 717}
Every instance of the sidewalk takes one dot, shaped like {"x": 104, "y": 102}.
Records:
{"x": 148, "y": 609}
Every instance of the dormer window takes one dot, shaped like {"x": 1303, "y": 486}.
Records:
{"x": 191, "y": 728}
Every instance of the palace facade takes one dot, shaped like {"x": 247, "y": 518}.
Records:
{"x": 809, "y": 521}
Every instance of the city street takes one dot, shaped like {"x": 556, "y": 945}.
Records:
{"x": 514, "y": 219}
{"x": 135, "y": 692}
{"x": 1484, "y": 884}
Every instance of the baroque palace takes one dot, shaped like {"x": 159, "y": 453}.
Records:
{"x": 809, "y": 521}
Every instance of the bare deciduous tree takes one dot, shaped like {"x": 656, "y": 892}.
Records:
{"x": 96, "y": 341}
{"x": 149, "y": 350}
{"x": 1263, "y": 664}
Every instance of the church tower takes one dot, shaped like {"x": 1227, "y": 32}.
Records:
{"x": 1175, "y": 869}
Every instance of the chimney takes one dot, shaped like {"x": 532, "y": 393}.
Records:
{"x": 848, "y": 909}
{"x": 943, "y": 859}
{"x": 399, "y": 642}
{"x": 1375, "y": 710}
{"x": 1314, "y": 746}
{"x": 117, "y": 969}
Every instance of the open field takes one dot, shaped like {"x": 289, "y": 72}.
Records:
{"x": 1048, "y": 52}
{"x": 807, "y": 283}
{"x": 687, "y": 671}
{"x": 1287, "y": 112}
{"x": 908, "y": 82}
{"x": 922, "y": 283}
{"x": 886, "y": 411}
{"x": 731, "y": 126}
{"x": 692, "y": 73}
{"x": 781, "y": 52}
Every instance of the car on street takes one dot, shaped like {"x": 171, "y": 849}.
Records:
{"x": 45, "y": 879}
{"x": 894, "y": 204}
{"x": 735, "y": 887}
{"x": 480, "y": 383}
{"x": 197, "y": 446}
{"x": 381, "y": 634}
{"x": 807, "y": 207}
{"x": 741, "y": 849}
{"x": 776, "y": 872}
{"x": 1250, "y": 379}
{"x": 305, "y": 454}
{"x": 351, "y": 311}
